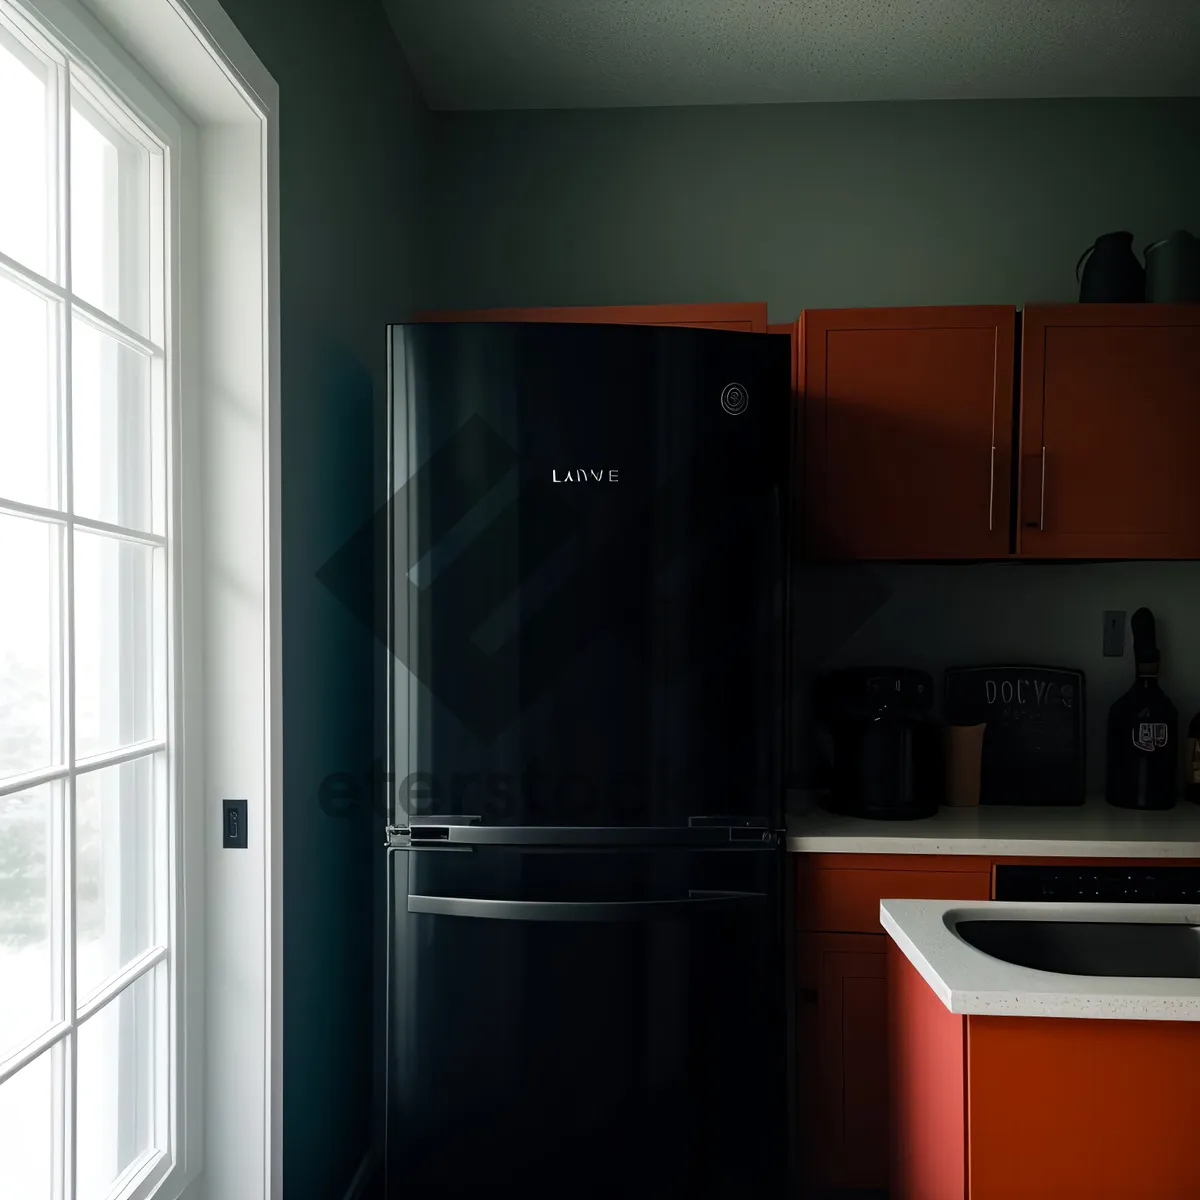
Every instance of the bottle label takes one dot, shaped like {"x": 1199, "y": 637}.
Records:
{"x": 1150, "y": 735}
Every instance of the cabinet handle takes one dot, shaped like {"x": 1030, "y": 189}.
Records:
{"x": 992, "y": 493}
{"x": 1042, "y": 512}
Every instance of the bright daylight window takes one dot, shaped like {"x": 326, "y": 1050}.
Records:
{"x": 86, "y": 643}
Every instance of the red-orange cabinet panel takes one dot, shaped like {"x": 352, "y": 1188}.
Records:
{"x": 1095, "y": 1110}
{"x": 750, "y": 317}
{"x": 994, "y": 1108}
{"x": 927, "y": 1117}
{"x": 908, "y": 431}
{"x": 841, "y": 893}
{"x": 841, "y": 1044}
{"x": 1110, "y": 425}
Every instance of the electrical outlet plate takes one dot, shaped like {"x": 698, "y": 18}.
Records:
{"x": 233, "y": 825}
{"x": 1114, "y": 634}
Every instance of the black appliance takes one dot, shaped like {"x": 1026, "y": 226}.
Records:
{"x": 586, "y": 968}
{"x": 1103, "y": 885}
{"x": 886, "y": 760}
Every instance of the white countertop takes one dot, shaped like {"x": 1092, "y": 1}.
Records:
{"x": 1091, "y": 830}
{"x": 968, "y": 981}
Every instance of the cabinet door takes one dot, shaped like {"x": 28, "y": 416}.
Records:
{"x": 843, "y": 896}
{"x": 908, "y": 422}
{"x": 749, "y": 317}
{"x": 841, "y": 1041}
{"x": 1110, "y": 426}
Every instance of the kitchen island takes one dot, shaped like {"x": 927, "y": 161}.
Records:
{"x": 1009, "y": 1080}
{"x": 844, "y": 866}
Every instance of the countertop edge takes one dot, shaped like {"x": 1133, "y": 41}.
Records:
{"x": 899, "y": 844}
{"x": 971, "y": 983}
{"x": 910, "y": 951}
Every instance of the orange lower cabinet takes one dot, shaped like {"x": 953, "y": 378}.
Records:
{"x": 842, "y": 1015}
{"x": 842, "y": 1067}
{"x": 1001, "y": 1108}
{"x": 1082, "y": 1110}
{"x": 926, "y": 1071}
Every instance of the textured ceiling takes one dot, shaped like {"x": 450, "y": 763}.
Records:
{"x": 489, "y": 54}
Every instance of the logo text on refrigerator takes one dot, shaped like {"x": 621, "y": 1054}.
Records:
{"x": 584, "y": 475}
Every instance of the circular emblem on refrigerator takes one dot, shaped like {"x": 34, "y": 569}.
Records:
{"x": 734, "y": 399}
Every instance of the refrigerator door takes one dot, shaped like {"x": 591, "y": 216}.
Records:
{"x": 587, "y": 584}
{"x": 585, "y": 1024}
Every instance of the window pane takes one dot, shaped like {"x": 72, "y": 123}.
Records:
{"x": 114, "y": 869}
{"x": 29, "y": 873}
{"x": 115, "y": 1113}
{"x": 29, "y": 695}
{"x": 28, "y": 395}
{"x": 110, "y": 411}
{"x": 27, "y": 1130}
{"x": 26, "y": 154}
{"x": 113, "y": 612}
{"x": 110, "y": 229}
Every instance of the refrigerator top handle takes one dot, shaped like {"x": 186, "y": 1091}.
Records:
{"x": 462, "y": 832}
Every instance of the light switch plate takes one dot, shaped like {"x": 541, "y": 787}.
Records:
{"x": 1114, "y": 634}
{"x": 233, "y": 825}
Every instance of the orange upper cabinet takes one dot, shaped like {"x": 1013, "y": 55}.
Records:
{"x": 748, "y": 317}
{"x": 1110, "y": 432}
{"x": 907, "y": 432}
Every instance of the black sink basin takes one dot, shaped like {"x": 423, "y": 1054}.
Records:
{"x": 1090, "y": 947}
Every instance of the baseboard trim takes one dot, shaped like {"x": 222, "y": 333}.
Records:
{"x": 363, "y": 1176}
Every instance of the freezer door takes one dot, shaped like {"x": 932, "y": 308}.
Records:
{"x": 587, "y": 573}
{"x": 585, "y": 1024}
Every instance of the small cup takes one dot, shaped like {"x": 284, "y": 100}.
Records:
{"x": 964, "y": 764}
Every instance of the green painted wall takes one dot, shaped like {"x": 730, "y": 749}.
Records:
{"x": 801, "y": 205}
{"x": 937, "y": 616}
{"x": 848, "y": 204}
{"x": 351, "y": 137}
{"x": 815, "y": 205}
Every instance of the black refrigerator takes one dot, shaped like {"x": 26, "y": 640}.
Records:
{"x": 587, "y": 988}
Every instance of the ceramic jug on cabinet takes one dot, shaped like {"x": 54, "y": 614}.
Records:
{"x": 1173, "y": 269}
{"x": 1111, "y": 272}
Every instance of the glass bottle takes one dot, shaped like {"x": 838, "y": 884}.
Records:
{"x": 1142, "y": 749}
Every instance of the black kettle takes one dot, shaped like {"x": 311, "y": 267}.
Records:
{"x": 1112, "y": 273}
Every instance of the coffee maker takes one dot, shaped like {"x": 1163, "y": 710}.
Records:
{"x": 884, "y": 749}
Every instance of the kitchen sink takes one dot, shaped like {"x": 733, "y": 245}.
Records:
{"x": 1162, "y": 951}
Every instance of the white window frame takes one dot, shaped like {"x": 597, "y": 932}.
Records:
{"x": 118, "y": 98}
{"x": 227, "y": 1031}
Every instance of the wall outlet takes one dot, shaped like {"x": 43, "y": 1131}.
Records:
{"x": 1114, "y": 634}
{"x": 233, "y": 825}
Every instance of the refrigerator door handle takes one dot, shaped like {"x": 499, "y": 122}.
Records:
{"x": 696, "y": 903}
{"x": 443, "y": 835}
